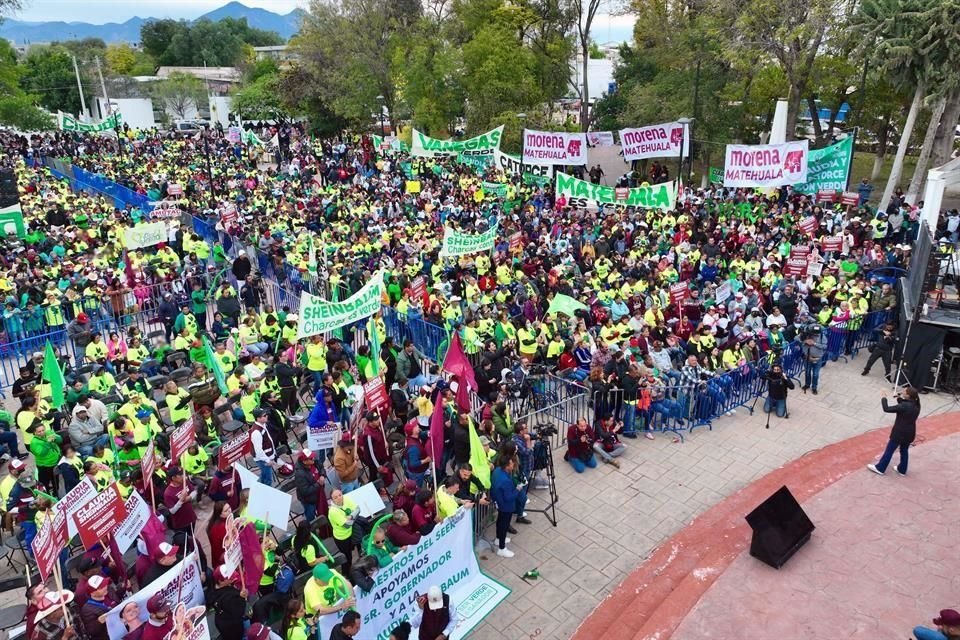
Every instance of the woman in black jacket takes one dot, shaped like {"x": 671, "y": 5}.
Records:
{"x": 904, "y": 430}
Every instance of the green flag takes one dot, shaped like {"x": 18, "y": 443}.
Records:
{"x": 478, "y": 457}
{"x": 565, "y": 304}
{"x": 374, "y": 338}
{"x": 312, "y": 258}
{"x": 217, "y": 371}
{"x": 53, "y": 374}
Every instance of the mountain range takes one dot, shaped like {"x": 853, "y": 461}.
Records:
{"x": 20, "y": 32}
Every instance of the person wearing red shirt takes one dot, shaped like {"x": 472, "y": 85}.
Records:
{"x": 178, "y": 499}
{"x": 217, "y": 531}
{"x": 401, "y": 532}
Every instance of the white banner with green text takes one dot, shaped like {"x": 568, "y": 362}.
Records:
{"x": 587, "y": 195}
{"x": 457, "y": 243}
{"x": 484, "y": 144}
{"x": 67, "y": 122}
{"x": 446, "y": 559}
{"x": 317, "y": 316}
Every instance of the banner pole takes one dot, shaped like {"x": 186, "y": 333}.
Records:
{"x": 853, "y": 150}
{"x": 59, "y": 581}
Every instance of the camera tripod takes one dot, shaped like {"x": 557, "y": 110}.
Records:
{"x": 550, "y": 511}
{"x": 786, "y": 413}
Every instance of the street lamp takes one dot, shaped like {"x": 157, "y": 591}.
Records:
{"x": 522, "y": 117}
{"x": 686, "y": 123}
{"x": 380, "y": 100}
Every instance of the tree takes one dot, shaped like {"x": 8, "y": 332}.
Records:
{"x": 347, "y": 52}
{"x": 217, "y": 44}
{"x": 585, "y": 12}
{"x": 48, "y": 73}
{"x": 939, "y": 41}
{"x": 180, "y": 93}
{"x": 120, "y": 59}
{"x": 790, "y": 32}
{"x": 897, "y": 27}
{"x": 17, "y": 109}
{"x": 259, "y": 100}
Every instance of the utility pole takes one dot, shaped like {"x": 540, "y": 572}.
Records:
{"x": 103, "y": 86}
{"x": 106, "y": 97}
{"x": 83, "y": 103}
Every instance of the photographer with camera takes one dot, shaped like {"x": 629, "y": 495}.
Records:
{"x": 580, "y": 450}
{"x": 778, "y": 385}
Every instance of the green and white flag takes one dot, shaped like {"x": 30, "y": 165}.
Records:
{"x": 456, "y": 243}
{"x": 484, "y": 144}
{"x": 67, "y": 122}
{"x": 249, "y": 137}
{"x": 312, "y": 258}
{"x": 319, "y": 316}
{"x": 583, "y": 194}
{"x": 494, "y": 189}
{"x": 828, "y": 169}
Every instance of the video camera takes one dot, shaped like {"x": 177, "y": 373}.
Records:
{"x": 545, "y": 431}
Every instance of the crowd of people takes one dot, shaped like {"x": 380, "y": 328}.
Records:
{"x": 226, "y": 355}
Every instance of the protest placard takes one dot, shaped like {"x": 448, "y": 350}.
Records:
{"x": 233, "y": 450}
{"x": 97, "y": 519}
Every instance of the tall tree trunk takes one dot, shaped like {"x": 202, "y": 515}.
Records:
{"x": 793, "y": 111}
{"x": 705, "y": 177}
{"x": 897, "y": 168}
{"x": 882, "y": 138}
{"x": 946, "y": 134}
{"x": 585, "y": 98}
{"x": 815, "y": 119}
{"x": 923, "y": 161}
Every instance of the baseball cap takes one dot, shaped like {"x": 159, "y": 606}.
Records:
{"x": 435, "y": 598}
{"x": 258, "y": 631}
{"x": 53, "y": 601}
{"x": 306, "y": 454}
{"x": 157, "y": 604}
{"x": 948, "y": 617}
{"x": 322, "y": 572}
{"x": 16, "y": 465}
{"x": 167, "y": 549}
{"x": 98, "y": 582}
{"x": 220, "y": 573}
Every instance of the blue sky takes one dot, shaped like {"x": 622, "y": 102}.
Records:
{"x": 606, "y": 27}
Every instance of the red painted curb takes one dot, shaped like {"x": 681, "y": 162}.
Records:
{"x": 658, "y": 595}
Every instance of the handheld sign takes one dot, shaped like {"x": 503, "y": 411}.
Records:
{"x": 100, "y": 516}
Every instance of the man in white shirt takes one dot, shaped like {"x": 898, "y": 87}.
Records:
{"x": 777, "y": 318}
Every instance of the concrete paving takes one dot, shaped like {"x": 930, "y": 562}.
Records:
{"x": 877, "y": 565}
{"x": 611, "y": 520}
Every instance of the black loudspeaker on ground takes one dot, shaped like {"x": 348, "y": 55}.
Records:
{"x": 780, "y": 528}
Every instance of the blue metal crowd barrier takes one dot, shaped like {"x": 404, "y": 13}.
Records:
{"x": 83, "y": 180}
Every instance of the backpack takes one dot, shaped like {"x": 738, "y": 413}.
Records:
{"x": 283, "y": 582}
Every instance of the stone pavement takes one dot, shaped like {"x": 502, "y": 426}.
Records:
{"x": 880, "y": 562}
{"x": 611, "y": 520}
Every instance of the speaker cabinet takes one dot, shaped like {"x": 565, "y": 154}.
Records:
{"x": 780, "y": 528}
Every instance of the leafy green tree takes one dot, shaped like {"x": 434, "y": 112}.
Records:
{"x": 48, "y": 73}
{"x": 427, "y": 69}
{"x": 259, "y": 100}
{"x": 217, "y": 44}
{"x": 347, "y": 52}
{"x": 180, "y": 93}
{"x": 17, "y": 109}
